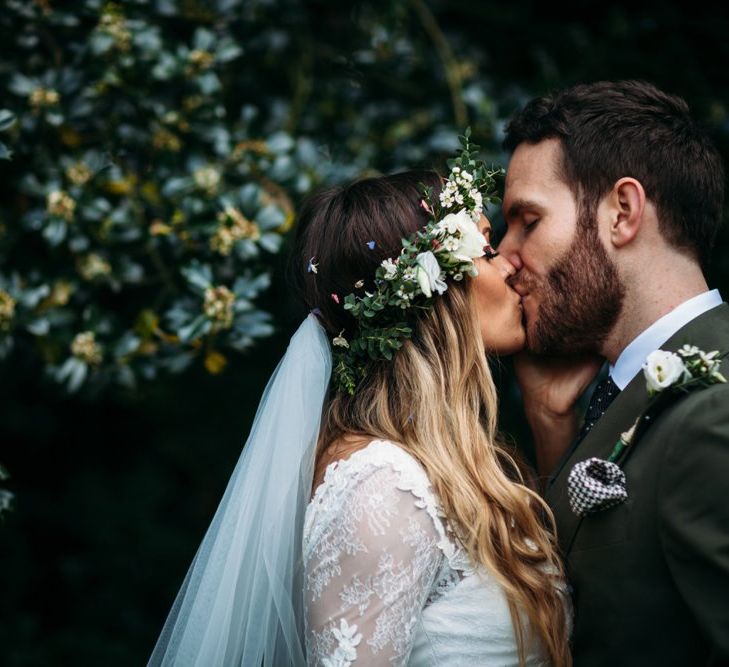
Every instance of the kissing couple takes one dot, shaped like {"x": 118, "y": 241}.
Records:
{"x": 377, "y": 517}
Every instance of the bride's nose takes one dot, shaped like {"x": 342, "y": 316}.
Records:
{"x": 505, "y": 266}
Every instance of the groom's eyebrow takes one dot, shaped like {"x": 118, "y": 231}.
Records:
{"x": 518, "y": 206}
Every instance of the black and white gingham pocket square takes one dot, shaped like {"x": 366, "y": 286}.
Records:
{"x": 594, "y": 485}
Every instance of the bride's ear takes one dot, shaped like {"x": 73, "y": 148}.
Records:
{"x": 625, "y": 205}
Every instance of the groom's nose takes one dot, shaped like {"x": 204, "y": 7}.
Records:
{"x": 505, "y": 266}
{"x": 508, "y": 251}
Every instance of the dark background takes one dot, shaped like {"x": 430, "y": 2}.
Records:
{"x": 114, "y": 491}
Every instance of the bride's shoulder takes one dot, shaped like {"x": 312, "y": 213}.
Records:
{"x": 346, "y": 465}
{"x": 379, "y": 481}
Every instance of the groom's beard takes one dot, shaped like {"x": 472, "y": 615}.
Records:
{"x": 581, "y": 298}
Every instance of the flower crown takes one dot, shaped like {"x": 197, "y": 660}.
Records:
{"x": 406, "y": 285}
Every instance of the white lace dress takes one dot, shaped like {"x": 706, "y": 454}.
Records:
{"x": 386, "y": 582}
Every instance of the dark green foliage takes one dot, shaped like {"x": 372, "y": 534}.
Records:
{"x": 145, "y": 197}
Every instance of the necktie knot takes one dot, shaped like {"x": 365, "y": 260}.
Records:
{"x": 604, "y": 394}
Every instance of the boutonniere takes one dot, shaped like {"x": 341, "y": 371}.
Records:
{"x": 597, "y": 484}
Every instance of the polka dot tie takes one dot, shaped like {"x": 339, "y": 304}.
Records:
{"x": 603, "y": 395}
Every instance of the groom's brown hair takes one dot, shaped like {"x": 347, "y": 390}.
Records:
{"x": 612, "y": 129}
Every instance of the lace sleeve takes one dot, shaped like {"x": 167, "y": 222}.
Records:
{"x": 369, "y": 570}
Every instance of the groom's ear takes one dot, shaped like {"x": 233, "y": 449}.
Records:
{"x": 625, "y": 208}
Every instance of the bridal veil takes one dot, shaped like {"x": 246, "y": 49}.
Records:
{"x": 242, "y": 600}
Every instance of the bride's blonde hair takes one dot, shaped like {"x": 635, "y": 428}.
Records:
{"x": 437, "y": 400}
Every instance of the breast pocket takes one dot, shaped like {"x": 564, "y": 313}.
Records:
{"x": 605, "y": 528}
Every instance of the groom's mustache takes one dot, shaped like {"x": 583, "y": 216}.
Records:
{"x": 522, "y": 282}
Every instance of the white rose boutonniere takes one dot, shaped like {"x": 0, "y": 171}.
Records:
{"x": 429, "y": 274}
{"x": 662, "y": 370}
{"x": 597, "y": 484}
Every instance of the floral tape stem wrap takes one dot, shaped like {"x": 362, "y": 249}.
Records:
{"x": 445, "y": 249}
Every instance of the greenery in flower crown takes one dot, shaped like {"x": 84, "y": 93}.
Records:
{"x": 407, "y": 285}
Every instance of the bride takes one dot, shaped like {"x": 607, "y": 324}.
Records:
{"x": 374, "y": 516}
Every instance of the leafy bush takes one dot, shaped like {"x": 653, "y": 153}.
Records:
{"x": 154, "y": 165}
{"x": 144, "y": 209}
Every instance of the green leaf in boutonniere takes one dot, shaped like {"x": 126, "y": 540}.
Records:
{"x": 669, "y": 373}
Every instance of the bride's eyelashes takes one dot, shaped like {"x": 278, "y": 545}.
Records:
{"x": 489, "y": 252}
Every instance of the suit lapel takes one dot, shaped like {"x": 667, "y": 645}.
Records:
{"x": 598, "y": 442}
{"x": 709, "y": 331}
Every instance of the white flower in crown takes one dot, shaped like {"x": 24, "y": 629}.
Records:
{"x": 662, "y": 370}
{"x": 429, "y": 275}
{"x": 408, "y": 275}
{"x": 444, "y": 248}
{"x": 448, "y": 194}
{"x": 450, "y": 243}
{"x": 471, "y": 241}
{"x": 390, "y": 269}
{"x": 340, "y": 340}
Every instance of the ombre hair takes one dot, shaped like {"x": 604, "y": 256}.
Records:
{"x": 436, "y": 399}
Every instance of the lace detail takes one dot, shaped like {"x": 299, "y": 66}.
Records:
{"x": 386, "y": 580}
{"x": 374, "y": 543}
{"x": 347, "y": 642}
{"x": 341, "y": 475}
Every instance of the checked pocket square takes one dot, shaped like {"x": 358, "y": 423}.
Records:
{"x": 595, "y": 485}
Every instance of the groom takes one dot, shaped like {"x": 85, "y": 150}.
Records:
{"x": 613, "y": 200}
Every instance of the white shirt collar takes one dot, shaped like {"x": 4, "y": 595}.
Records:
{"x": 632, "y": 358}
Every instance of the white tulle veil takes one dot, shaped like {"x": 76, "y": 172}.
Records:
{"x": 242, "y": 600}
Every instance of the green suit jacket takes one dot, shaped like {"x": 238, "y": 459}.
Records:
{"x": 650, "y": 577}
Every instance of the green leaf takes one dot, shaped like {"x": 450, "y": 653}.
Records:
{"x": 7, "y": 119}
{"x": 209, "y": 83}
{"x": 55, "y": 231}
{"x": 198, "y": 275}
{"x": 195, "y": 329}
{"x": 39, "y": 327}
{"x": 270, "y": 217}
